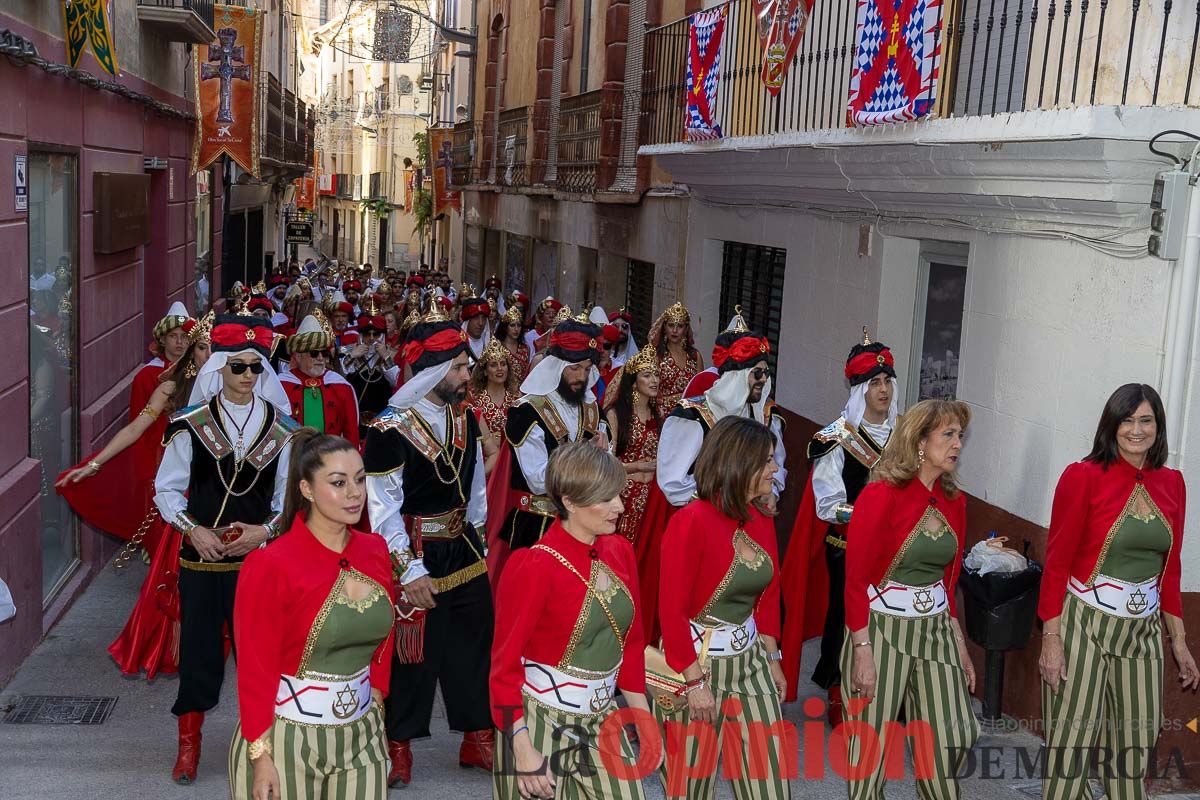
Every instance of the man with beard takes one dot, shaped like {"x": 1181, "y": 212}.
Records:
{"x": 743, "y": 389}
{"x": 352, "y": 291}
{"x": 558, "y": 407}
{"x": 474, "y": 312}
{"x": 626, "y": 347}
{"x": 427, "y": 497}
{"x": 320, "y": 397}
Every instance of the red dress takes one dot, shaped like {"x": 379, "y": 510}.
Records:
{"x": 673, "y": 379}
{"x": 642, "y": 446}
{"x": 1089, "y": 500}
{"x": 537, "y": 607}
{"x": 487, "y": 412}
{"x": 518, "y": 362}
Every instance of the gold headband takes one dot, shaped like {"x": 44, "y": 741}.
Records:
{"x": 677, "y": 314}
{"x": 513, "y": 314}
{"x": 494, "y": 352}
{"x": 563, "y": 315}
{"x": 202, "y": 332}
{"x": 646, "y": 359}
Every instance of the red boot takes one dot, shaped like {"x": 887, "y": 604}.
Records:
{"x": 478, "y": 749}
{"x": 401, "y": 754}
{"x": 189, "y": 747}
{"x": 834, "y": 712}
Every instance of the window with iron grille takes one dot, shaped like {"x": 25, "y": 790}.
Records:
{"x": 639, "y": 297}
{"x": 752, "y": 277}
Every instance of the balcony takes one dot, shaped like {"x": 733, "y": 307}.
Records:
{"x": 375, "y": 187}
{"x": 343, "y": 185}
{"x": 179, "y": 20}
{"x": 512, "y": 140}
{"x": 1014, "y": 56}
{"x": 462, "y": 153}
{"x": 579, "y": 142}
{"x": 287, "y": 130}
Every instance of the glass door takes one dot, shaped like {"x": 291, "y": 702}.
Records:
{"x": 53, "y": 380}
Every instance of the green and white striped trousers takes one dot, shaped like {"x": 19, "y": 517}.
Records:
{"x": 319, "y": 762}
{"x": 1112, "y": 698}
{"x": 917, "y": 665}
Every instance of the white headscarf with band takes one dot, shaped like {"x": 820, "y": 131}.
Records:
{"x": 420, "y": 384}
{"x": 856, "y": 405}
{"x": 731, "y": 392}
{"x": 209, "y": 381}
{"x": 546, "y": 376}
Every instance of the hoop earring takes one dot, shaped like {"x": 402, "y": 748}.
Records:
{"x": 920, "y": 457}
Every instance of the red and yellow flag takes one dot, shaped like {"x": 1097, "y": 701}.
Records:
{"x": 227, "y": 97}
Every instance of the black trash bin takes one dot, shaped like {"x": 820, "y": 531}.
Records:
{"x": 999, "y": 609}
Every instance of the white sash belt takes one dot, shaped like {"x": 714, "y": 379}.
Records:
{"x": 727, "y": 639}
{"x": 1117, "y": 597}
{"x": 574, "y": 695}
{"x": 901, "y": 600}
{"x": 314, "y": 702}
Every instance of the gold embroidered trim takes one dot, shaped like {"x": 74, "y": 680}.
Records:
{"x": 210, "y": 566}
{"x": 1130, "y": 510}
{"x": 330, "y": 600}
{"x": 931, "y": 512}
{"x": 719, "y": 592}
{"x": 460, "y": 577}
{"x": 604, "y": 598}
{"x": 362, "y": 605}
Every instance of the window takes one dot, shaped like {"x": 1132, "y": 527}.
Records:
{"x": 53, "y": 380}
{"x": 517, "y": 253}
{"x": 201, "y": 299}
{"x": 639, "y": 297}
{"x": 937, "y": 325}
{"x": 752, "y": 277}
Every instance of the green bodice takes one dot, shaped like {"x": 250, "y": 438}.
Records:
{"x": 926, "y": 552}
{"x": 1137, "y": 549}
{"x": 347, "y": 632}
{"x": 594, "y": 646}
{"x": 744, "y": 582}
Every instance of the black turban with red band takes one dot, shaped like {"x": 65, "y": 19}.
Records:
{"x": 868, "y": 360}
{"x": 433, "y": 343}
{"x": 575, "y": 341}
{"x": 735, "y": 350}
{"x": 372, "y": 323}
{"x": 474, "y": 307}
{"x": 233, "y": 333}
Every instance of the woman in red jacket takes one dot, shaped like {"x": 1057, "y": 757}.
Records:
{"x": 568, "y": 636}
{"x": 313, "y": 630}
{"x": 1112, "y": 565}
{"x": 905, "y": 646}
{"x": 719, "y": 608}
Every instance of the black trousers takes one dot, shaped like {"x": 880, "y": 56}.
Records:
{"x": 829, "y": 672}
{"x": 458, "y": 647}
{"x": 205, "y": 614}
{"x": 524, "y": 528}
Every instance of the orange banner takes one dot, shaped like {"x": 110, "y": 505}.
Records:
{"x": 306, "y": 192}
{"x": 227, "y": 98}
{"x": 441, "y": 142}
{"x": 409, "y": 176}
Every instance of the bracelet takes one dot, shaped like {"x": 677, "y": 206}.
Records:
{"x": 863, "y": 644}
{"x": 94, "y": 466}
{"x": 776, "y": 656}
{"x": 518, "y": 730}
{"x": 185, "y": 523}
{"x": 688, "y": 688}
{"x": 149, "y": 412}
{"x": 260, "y": 747}
{"x": 1051, "y": 633}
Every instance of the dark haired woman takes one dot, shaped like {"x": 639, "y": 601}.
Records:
{"x": 313, "y": 630}
{"x": 492, "y": 391}
{"x": 719, "y": 608}
{"x": 509, "y": 332}
{"x": 904, "y": 644}
{"x": 149, "y": 641}
{"x": 1111, "y": 581}
{"x": 678, "y": 359}
{"x": 567, "y": 638}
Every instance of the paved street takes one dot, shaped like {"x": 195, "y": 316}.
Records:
{"x": 130, "y": 754}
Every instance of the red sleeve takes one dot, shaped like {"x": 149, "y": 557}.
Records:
{"x": 767, "y": 615}
{"x": 677, "y": 575}
{"x": 519, "y": 603}
{"x": 1168, "y": 588}
{"x": 867, "y": 525}
{"x": 959, "y": 523}
{"x": 632, "y": 677}
{"x": 381, "y": 661}
{"x": 139, "y": 392}
{"x": 1067, "y": 519}
{"x": 349, "y": 413}
{"x": 259, "y": 617}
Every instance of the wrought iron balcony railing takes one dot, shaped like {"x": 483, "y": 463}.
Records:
{"x": 579, "y": 142}
{"x": 512, "y": 139}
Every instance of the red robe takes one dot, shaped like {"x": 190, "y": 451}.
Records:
{"x": 538, "y": 605}
{"x": 805, "y": 586}
{"x": 1087, "y": 503}
{"x": 699, "y": 539}
{"x": 341, "y": 405}
{"x": 280, "y": 592}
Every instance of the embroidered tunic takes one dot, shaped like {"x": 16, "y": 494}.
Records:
{"x": 518, "y": 362}
{"x": 490, "y": 414}
{"x": 642, "y": 446}
{"x": 674, "y": 378}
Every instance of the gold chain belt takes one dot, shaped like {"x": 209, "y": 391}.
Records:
{"x": 459, "y": 577}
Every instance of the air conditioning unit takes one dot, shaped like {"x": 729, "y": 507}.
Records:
{"x": 153, "y": 164}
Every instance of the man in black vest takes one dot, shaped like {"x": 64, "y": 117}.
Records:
{"x": 557, "y": 407}
{"x": 427, "y": 496}
{"x": 221, "y": 484}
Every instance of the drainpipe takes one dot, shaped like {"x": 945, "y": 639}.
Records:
{"x": 1181, "y": 327}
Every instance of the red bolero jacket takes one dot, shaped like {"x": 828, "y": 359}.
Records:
{"x": 1089, "y": 499}
{"x": 537, "y": 605}
{"x": 280, "y": 591}
{"x": 884, "y": 516}
{"x": 341, "y": 404}
{"x": 697, "y": 550}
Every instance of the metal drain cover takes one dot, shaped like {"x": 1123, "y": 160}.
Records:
{"x": 43, "y": 709}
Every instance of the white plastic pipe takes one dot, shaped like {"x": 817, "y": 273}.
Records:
{"x": 1178, "y": 351}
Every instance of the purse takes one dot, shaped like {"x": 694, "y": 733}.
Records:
{"x": 664, "y": 685}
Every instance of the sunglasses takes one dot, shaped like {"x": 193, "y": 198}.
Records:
{"x": 321, "y": 354}
{"x": 760, "y": 373}
{"x": 239, "y": 367}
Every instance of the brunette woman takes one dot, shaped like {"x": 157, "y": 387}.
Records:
{"x": 493, "y": 390}
{"x": 509, "y": 333}
{"x": 678, "y": 359}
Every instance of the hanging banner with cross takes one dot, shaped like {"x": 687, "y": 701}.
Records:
{"x": 780, "y": 25}
{"x": 706, "y": 34}
{"x": 227, "y": 95}
{"x": 90, "y": 22}
{"x": 441, "y": 145}
{"x": 896, "y": 61}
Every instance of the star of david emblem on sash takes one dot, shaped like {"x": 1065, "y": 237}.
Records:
{"x": 741, "y": 638}
{"x": 1137, "y": 602}
{"x": 601, "y": 699}
{"x": 922, "y": 601}
{"x": 346, "y": 703}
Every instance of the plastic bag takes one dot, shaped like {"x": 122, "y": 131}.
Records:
{"x": 7, "y": 609}
{"x": 990, "y": 555}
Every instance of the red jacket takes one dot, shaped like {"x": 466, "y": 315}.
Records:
{"x": 1087, "y": 503}
{"x": 697, "y": 551}
{"x": 341, "y": 405}
{"x": 884, "y": 518}
{"x": 281, "y": 589}
{"x": 537, "y": 605}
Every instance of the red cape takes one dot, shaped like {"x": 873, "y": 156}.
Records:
{"x": 499, "y": 505}
{"x": 647, "y": 546}
{"x": 150, "y": 640}
{"x": 110, "y": 501}
{"x": 805, "y": 586}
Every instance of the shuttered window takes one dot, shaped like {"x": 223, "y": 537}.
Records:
{"x": 752, "y": 277}
{"x": 639, "y": 297}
